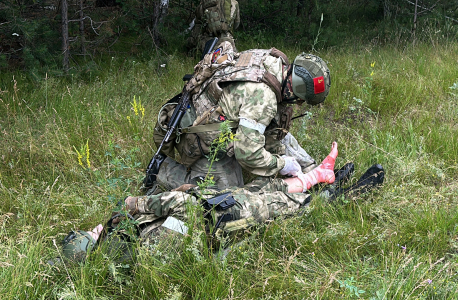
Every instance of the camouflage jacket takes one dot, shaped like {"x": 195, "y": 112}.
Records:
{"x": 244, "y": 96}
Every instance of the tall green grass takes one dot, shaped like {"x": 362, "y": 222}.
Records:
{"x": 388, "y": 105}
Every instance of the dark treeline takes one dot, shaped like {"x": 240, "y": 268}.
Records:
{"x": 62, "y": 35}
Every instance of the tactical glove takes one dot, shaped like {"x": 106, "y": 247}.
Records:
{"x": 292, "y": 167}
{"x": 292, "y": 148}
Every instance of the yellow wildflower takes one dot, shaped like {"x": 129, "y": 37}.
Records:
{"x": 87, "y": 154}
{"x": 134, "y": 106}
{"x": 79, "y": 156}
{"x": 142, "y": 110}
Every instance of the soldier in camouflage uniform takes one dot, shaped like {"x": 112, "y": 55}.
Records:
{"x": 263, "y": 199}
{"x": 235, "y": 209}
{"x": 253, "y": 91}
{"x": 163, "y": 216}
{"x": 214, "y": 18}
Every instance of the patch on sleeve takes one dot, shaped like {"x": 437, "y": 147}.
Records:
{"x": 318, "y": 83}
{"x": 216, "y": 54}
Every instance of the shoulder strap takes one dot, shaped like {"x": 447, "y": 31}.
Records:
{"x": 277, "y": 53}
{"x": 207, "y": 127}
{"x": 273, "y": 83}
{"x": 270, "y": 79}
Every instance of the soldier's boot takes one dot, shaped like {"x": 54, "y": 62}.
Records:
{"x": 372, "y": 178}
{"x": 343, "y": 174}
{"x": 324, "y": 173}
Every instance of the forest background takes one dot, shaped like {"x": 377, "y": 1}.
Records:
{"x": 77, "y": 116}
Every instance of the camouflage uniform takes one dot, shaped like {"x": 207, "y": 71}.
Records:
{"x": 236, "y": 92}
{"x": 214, "y": 18}
{"x": 263, "y": 199}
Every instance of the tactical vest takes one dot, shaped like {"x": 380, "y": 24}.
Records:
{"x": 219, "y": 16}
{"x": 225, "y": 67}
{"x": 222, "y": 66}
{"x": 246, "y": 66}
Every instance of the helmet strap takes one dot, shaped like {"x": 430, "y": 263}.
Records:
{"x": 284, "y": 84}
{"x": 290, "y": 71}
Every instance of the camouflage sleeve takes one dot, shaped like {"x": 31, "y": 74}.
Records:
{"x": 273, "y": 145}
{"x": 250, "y": 153}
{"x": 166, "y": 204}
{"x": 256, "y": 102}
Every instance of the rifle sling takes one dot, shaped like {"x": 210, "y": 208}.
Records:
{"x": 207, "y": 127}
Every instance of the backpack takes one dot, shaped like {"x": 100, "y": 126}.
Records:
{"x": 218, "y": 16}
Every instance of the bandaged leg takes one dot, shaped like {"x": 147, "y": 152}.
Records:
{"x": 324, "y": 173}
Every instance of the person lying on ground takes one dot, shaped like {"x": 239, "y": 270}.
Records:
{"x": 229, "y": 210}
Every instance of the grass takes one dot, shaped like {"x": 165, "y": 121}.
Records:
{"x": 387, "y": 105}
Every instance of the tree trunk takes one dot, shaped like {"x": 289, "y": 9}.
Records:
{"x": 386, "y": 9}
{"x": 160, "y": 11}
{"x": 300, "y": 8}
{"x": 65, "y": 43}
{"x": 164, "y": 9}
{"x": 414, "y": 29}
{"x": 82, "y": 36}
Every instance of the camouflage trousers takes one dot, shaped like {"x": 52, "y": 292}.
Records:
{"x": 263, "y": 199}
{"x": 226, "y": 173}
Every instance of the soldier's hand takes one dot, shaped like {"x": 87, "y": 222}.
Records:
{"x": 131, "y": 205}
{"x": 292, "y": 167}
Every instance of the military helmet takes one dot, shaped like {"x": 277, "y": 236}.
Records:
{"x": 77, "y": 244}
{"x": 310, "y": 78}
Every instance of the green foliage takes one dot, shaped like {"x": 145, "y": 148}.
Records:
{"x": 3, "y": 61}
{"x": 400, "y": 242}
{"x": 135, "y": 28}
{"x": 36, "y": 40}
{"x": 218, "y": 147}
{"x": 350, "y": 288}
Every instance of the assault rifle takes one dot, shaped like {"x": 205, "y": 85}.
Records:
{"x": 183, "y": 104}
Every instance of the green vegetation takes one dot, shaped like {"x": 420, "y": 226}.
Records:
{"x": 72, "y": 147}
{"x": 31, "y": 34}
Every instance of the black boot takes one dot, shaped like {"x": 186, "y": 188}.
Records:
{"x": 344, "y": 174}
{"x": 372, "y": 178}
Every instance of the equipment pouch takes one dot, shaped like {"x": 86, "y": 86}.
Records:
{"x": 160, "y": 130}
{"x": 188, "y": 118}
{"x": 285, "y": 122}
{"x": 214, "y": 13}
{"x": 233, "y": 228}
{"x": 220, "y": 202}
{"x": 191, "y": 148}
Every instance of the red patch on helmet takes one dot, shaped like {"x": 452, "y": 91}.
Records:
{"x": 318, "y": 83}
